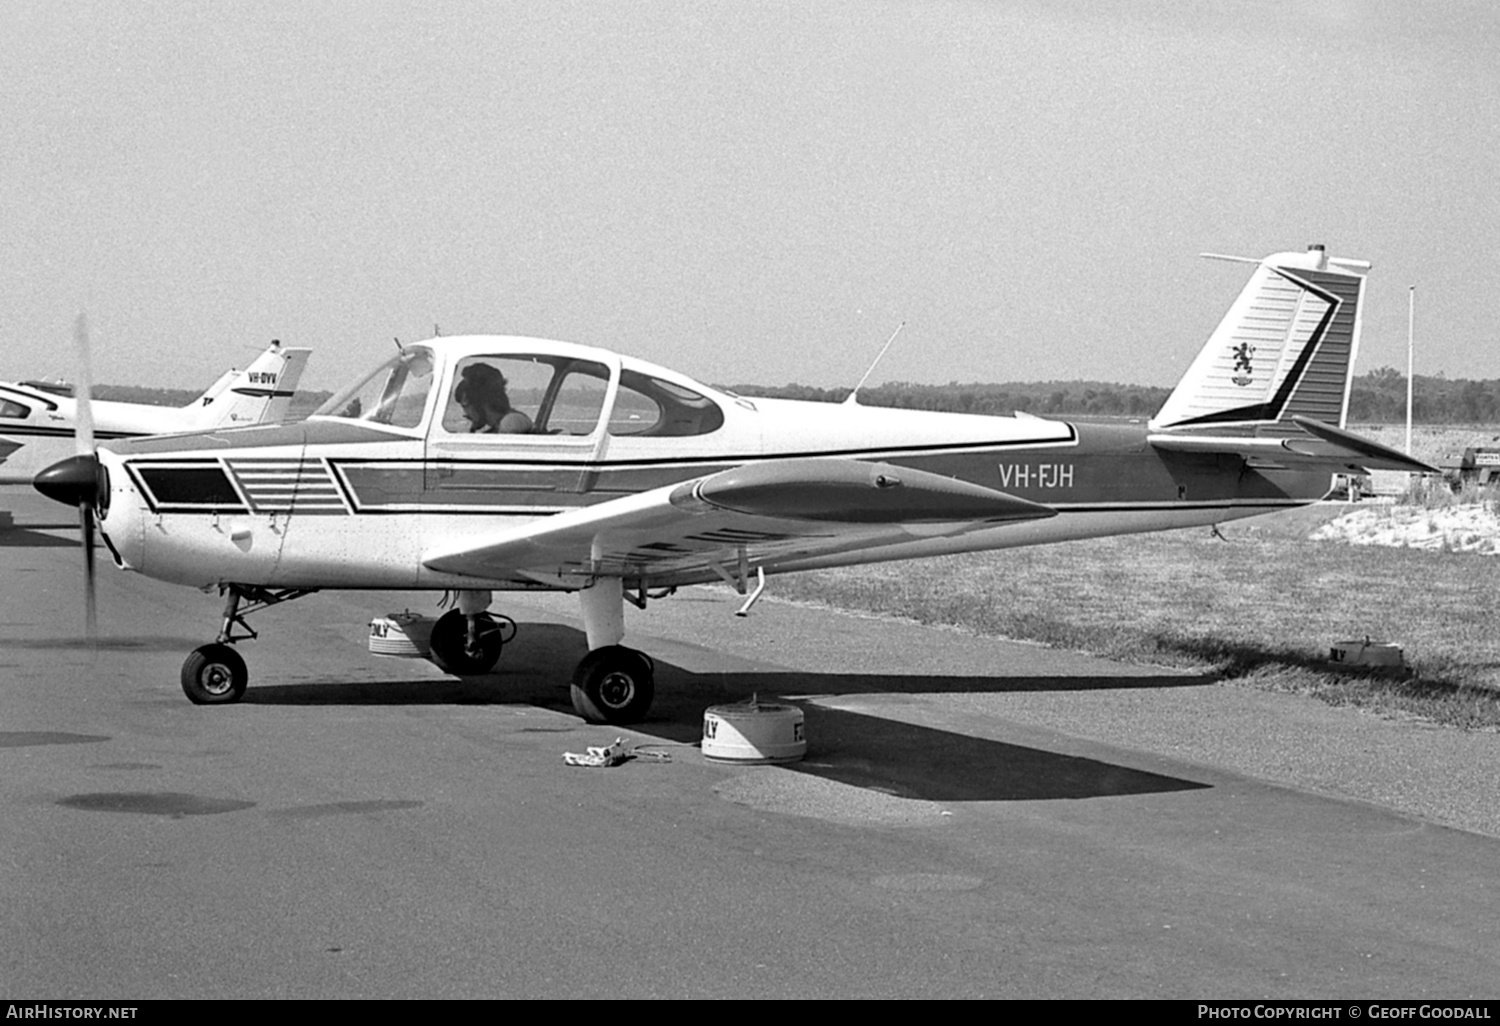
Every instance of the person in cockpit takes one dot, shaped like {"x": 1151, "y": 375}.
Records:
{"x": 481, "y": 393}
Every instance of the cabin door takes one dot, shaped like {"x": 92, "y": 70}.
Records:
{"x": 518, "y": 433}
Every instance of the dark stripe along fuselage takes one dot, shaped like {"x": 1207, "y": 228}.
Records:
{"x": 323, "y": 468}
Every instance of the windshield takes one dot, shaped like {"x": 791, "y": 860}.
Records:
{"x": 394, "y": 393}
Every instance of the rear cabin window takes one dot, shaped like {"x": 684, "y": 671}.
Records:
{"x": 15, "y": 411}
{"x": 649, "y": 406}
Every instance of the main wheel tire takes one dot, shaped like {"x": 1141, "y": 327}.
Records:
{"x": 614, "y": 684}
{"x": 450, "y": 635}
{"x": 214, "y": 675}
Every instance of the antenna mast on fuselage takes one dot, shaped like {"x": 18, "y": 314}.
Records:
{"x": 852, "y": 400}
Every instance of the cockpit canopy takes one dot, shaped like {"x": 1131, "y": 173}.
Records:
{"x": 500, "y": 388}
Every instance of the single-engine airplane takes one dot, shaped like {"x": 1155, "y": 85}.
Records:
{"x": 477, "y": 464}
{"x": 38, "y": 420}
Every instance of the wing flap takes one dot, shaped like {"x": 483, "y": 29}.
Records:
{"x": 753, "y": 515}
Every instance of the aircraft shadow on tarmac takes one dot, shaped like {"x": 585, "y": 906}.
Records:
{"x": 867, "y": 751}
{"x": 105, "y": 643}
{"x": 34, "y": 536}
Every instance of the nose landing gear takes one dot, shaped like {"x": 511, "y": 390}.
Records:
{"x": 215, "y": 674}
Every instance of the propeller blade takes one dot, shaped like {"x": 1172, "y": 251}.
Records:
{"x": 83, "y": 431}
{"x": 84, "y": 476}
{"x": 90, "y": 608}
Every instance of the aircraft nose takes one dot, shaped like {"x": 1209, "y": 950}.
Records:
{"x": 73, "y": 481}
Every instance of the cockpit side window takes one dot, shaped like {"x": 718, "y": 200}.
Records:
{"x": 13, "y": 411}
{"x": 649, "y": 406}
{"x": 525, "y": 395}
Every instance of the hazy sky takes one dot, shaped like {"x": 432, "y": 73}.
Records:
{"x": 750, "y": 192}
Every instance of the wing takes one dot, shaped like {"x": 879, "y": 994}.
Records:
{"x": 756, "y": 515}
{"x": 1321, "y": 445}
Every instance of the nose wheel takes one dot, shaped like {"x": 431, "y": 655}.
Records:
{"x": 214, "y": 675}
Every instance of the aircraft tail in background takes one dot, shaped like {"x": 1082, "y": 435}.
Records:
{"x": 37, "y": 424}
{"x": 259, "y": 394}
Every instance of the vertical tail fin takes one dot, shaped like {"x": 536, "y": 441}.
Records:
{"x": 213, "y": 391}
{"x": 1286, "y": 348}
{"x": 259, "y": 394}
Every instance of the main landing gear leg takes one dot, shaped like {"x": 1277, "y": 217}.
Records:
{"x": 466, "y": 641}
{"x": 215, "y": 674}
{"x": 612, "y": 684}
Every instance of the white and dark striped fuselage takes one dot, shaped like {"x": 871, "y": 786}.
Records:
{"x": 334, "y": 503}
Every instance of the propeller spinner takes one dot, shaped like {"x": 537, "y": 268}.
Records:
{"x": 74, "y": 481}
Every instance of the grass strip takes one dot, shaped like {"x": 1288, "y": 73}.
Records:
{"x": 1254, "y": 607}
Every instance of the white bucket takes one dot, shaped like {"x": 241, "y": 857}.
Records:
{"x": 753, "y": 732}
{"x": 408, "y": 635}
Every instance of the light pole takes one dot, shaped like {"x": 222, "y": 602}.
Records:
{"x": 1411, "y": 322}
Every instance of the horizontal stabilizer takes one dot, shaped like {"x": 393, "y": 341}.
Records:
{"x": 1322, "y": 445}
{"x": 1367, "y": 452}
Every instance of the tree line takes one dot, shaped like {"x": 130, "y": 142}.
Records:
{"x": 1378, "y": 397}
{"x": 1041, "y": 398}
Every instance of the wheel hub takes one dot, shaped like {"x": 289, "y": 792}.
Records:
{"x": 616, "y": 689}
{"x": 217, "y": 679}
